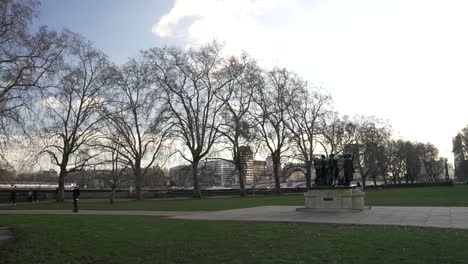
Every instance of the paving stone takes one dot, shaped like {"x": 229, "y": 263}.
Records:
{"x": 447, "y": 217}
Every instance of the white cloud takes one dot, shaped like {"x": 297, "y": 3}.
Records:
{"x": 402, "y": 60}
{"x": 240, "y": 25}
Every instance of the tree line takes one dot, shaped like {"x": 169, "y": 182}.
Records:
{"x": 460, "y": 151}
{"x": 83, "y": 109}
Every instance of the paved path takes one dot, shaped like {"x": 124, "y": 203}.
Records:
{"x": 446, "y": 217}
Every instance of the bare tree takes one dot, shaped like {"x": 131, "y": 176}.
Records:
{"x": 193, "y": 80}
{"x": 156, "y": 177}
{"x": 118, "y": 173}
{"x": 462, "y": 138}
{"x": 272, "y": 102}
{"x": 336, "y": 133}
{"x": 25, "y": 59}
{"x": 71, "y": 103}
{"x": 413, "y": 157}
{"x": 368, "y": 135}
{"x": 460, "y": 154}
{"x": 383, "y": 161}
{"x": 306, "y": 120}
{"x": 397, "y": 161}
{"x": 138, "y": 115}
{"x": 236, "y": 125}
{"x": 381, "y": 153}
{"x": 459, "y": 147}
{"x": 433, "y": 164}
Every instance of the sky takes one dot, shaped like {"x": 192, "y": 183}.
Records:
{"x": 403, "y": 61}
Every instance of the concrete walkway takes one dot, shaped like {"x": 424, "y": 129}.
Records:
{"x": 445, "y": 217}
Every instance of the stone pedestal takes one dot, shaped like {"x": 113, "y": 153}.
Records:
{"x": 333, "y": 199}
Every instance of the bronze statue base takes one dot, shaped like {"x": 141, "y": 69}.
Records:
{"x": 340, "y": 198}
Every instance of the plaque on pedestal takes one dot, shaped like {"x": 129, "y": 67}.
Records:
{"x": 329, "y": 198}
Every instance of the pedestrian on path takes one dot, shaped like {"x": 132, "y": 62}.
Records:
{"x": 76, "y": 197}
{"x": 13, "y": 195}
{"x": 35, "y": 196}
{"x": 30, "y": 196}
{"x": 359, "y": 186}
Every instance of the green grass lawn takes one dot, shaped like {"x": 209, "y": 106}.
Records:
{"x": 422, "y": 196}
{"x": 140, "y": 239}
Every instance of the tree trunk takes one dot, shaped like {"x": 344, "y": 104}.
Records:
{"x": 138, "y": 182}
{"x": 196, "y": 187}
{"x": 374, "y": 178}
{"x": 242, "y": 172}
{"x": 241, "y": 183}
{"x": 308, "y": 176}
{"x": 276, "y": 165}
{"x": 112, "y": 194}
{"x": 384, "y": 179}
{"x": 60, "y": 197}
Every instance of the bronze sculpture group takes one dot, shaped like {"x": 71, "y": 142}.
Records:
{"x": 328, "y": 172}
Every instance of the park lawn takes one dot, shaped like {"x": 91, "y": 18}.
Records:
{"x": 144, "y": 239}
{"x": 421, "y": 196}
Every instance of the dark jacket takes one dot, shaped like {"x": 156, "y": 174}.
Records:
{"x": 76, "y": 193}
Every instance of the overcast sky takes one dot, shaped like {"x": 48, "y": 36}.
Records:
{"x": 403, "y": 61}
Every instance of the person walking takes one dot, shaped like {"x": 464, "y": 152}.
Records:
{"x": 359, "y": 186}
{"x": 35, "y": 196}
{"x": 76, "y": 197}
{"x": 13, "y": 195}
{"x": 30, "y": 196}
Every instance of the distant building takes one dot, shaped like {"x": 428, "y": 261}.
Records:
{"x": 223, "y": 173}
{"x": 269, "y": 165}
{"x": 248, "y": 158}
{"x": 261, "y": 172}
{"x": 218, "y": 173}
{"x": 89, "y": 178}
{"x": 211, "y": 173}
{"x": 47, "y": 175}
{"x": 181, "y": 176}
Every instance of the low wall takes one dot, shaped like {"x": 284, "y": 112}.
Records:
{"x": 22, "y": 195}
{"x": 412, "y": 185}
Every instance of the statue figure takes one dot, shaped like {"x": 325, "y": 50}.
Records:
{"x": 332, "y": 176}
{"x": 317, "y": 171}
{"x": 348, "y": 169}
{"x": 327, "y": 171}
{"x": 320, "y": 171}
